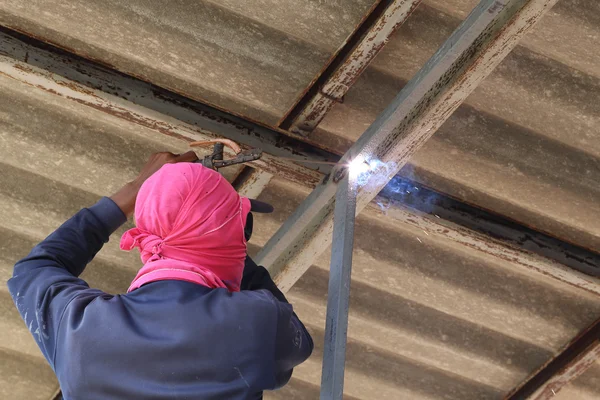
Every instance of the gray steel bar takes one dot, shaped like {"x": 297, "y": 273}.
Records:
{"x": 336, "y": 328}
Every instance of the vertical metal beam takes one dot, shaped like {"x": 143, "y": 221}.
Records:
{"x": 580, "y": 354}
{"x": 337, "y": 80}
{"x": 479, "y": 44}
{"x": 336, "y": 326}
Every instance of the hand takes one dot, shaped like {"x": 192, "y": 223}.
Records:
{"x": 125, "y": 197}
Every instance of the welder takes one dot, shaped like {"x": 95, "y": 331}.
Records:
{"x": 199, "y": 321}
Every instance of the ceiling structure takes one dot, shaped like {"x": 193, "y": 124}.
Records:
{"x": 433, "y": 315}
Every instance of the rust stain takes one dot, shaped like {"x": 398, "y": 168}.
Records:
{"x": 346, "y": 75}
{"x": 59, "y": 46}
{"x": 24, "y": 68}
{"x": 298, "y": 175}
{"x": 495, "y": 7}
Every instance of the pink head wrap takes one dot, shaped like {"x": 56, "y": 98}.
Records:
{"x": 190, "y": 226}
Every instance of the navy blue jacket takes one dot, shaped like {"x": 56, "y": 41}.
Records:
{"x": 166, "y": 340}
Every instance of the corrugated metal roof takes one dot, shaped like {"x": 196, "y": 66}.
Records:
{"x": 429, "y": 319}
{"x": 252, "y": 57}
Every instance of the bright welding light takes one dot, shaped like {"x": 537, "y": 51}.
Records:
{"x": 358, "y": 166}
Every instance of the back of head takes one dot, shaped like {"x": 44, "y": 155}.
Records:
{"x": 189, "y": 226}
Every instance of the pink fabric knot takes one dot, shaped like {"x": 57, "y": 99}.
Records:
{"x": 150, "y": 245}
{"x": 189, "y": 226}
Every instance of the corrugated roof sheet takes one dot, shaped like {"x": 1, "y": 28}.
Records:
{"x": 429, "y": 319}
{"x": 252, "y": 57}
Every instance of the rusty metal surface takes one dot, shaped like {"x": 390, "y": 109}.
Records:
{"x": 401, "y": 192}
{"x": 501, "y": 246}
{"x": 163, "y": 111}
{"x": 245, "y": 62}
{"x": 582, "y": 387}
{"x": 573, "y": 361}
{"x": 569, "y": 374}
{"x": 335, "y": 82}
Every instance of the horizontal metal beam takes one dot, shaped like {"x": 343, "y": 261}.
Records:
{"x": 406, "y": 194}
{"x": 488, "y": 34}
{"x": 579, "y": 355}
{"x": 53, "y": 70}
{"x": 434, "y": 223}
{"x": 349, "y": 64}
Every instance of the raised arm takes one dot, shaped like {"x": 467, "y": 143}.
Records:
{"x": 45, "y": 283}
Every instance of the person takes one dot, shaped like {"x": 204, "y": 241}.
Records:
{"x": 200, "y": 320}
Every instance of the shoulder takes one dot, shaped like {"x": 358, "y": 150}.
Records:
{"x": 261, "y": 305}
{"x": 256, "y": 299}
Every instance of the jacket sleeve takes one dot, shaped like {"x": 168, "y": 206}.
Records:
{"x": 257, "y": 277}
{"x": 293, "y": 344}
{"x": 46, "y": 281}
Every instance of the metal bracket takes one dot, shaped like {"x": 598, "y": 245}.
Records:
{"x": 216, "y": 161}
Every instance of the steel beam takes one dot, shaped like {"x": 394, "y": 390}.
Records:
{"x": 336, "y": 80}
{"x": 492, "y": 233}
{"x": 488, "y": 34}
{"x": 579, "y": 355}
{"x": 251, "y": 182}
{"x": 53, "y": 70}
{"x": 504, "y": 250}
{"x": 338, "y": 294}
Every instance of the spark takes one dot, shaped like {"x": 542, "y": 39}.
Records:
{"x": 553, "y": 392}
{"x": 419, "y": 240}
{"x": 437, "y": 216}
{"x": 358, "y": 166}
{"x": 426, "y": 233}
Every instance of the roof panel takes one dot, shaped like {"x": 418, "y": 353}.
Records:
{"x": 253, "y": 58}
